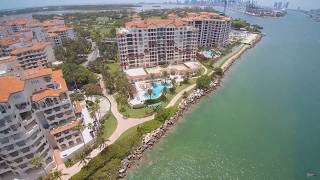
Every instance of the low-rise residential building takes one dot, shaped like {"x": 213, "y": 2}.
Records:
{"x": 53, "y": 30}
{"x": 59, "y": 33}
{"x": 213, "y": 29}
{"x": 13, "y": 42}
{"x": 36, "y": 116}
{"x": 154, "y": 42}
{"x": 36, "y": 55}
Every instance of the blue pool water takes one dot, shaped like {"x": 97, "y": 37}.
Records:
{"x": 157, "y": 90}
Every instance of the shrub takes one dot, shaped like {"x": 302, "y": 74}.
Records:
{"x": 172, "y": 90}
{"x": 203, "y": 81}
{"x": 138, "y": 106}
{"x": 109, "y": 159}
{"x": 76, "y": 97}
{"x": 164, "y": 114}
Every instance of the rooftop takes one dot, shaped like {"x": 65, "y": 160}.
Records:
{"x": 7, "y": 59}
{"x": 70, "y": 125}
{"x": 155, "y": 22}
{"x": 34, "y": 47}
{"x": 36, "y": 72}
{"x": 206, "y": 16}
{"x": 135, "y": 72}
{"x": 10, "y": 85}
{"x": 57, "y": 77}
{"x": 58, "y": 29}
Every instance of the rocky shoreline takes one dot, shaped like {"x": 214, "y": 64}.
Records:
{"x": 153, "y": 137}
{"x": 150, "y": 139}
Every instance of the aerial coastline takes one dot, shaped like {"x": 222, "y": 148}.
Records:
{"x": 136, "y": 90}
{"x": 151, "y": 139}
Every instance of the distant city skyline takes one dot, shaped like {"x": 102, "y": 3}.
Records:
{"x": 12, "y": 4}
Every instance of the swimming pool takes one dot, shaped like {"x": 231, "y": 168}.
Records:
{"x": 156, "y": 90}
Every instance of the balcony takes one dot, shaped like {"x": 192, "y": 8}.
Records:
{"x": 21, "y": 106}
{"x": 25, "y": 116}
{"x": 47, "y": 112}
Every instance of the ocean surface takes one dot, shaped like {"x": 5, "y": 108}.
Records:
{"x": 263, "y": 123}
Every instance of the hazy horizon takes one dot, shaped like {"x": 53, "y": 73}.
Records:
{"x": 18, "y": 4}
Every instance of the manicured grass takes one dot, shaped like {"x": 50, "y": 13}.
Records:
{"x": 220, "y": 61}
{"x": 109, "y": 126}
{"x": 114, "y": 67}
{"x": 108, "y": 161}
{"x": 134, "y": 113}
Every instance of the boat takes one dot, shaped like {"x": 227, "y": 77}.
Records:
{"x": 311, "y": 174}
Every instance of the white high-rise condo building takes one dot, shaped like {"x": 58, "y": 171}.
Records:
{"x": 213, "y": 29}
{"x": 36, "y": 116}
{"x": 154, "y": 42}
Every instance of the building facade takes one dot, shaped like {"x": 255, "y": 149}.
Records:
{"x": 154, "y": 42}
{"x": 36, "y": 116}
{"x": 213, "y": 29}
{"x": 36, "y": 55}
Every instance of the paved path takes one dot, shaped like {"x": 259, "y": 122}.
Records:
{"x": 123, "y": 125}
{"x": 179, "y": 95}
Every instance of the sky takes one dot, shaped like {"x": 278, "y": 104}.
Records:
{"x": 10, "y": 4}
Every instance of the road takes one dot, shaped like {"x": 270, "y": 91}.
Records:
{"x": 93, "y": 55}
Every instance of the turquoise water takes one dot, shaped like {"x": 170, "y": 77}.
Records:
{"x": 263, "y": 123}
{"x": 157, "y": 90}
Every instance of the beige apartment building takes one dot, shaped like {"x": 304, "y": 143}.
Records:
{"x": 213, "y": 29}
{"x": 36, "y": 116}
{"x": 153, "y": 42}
{"x": 36, "y": 55}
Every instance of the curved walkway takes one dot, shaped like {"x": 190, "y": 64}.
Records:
{"x": 123, "y": 125}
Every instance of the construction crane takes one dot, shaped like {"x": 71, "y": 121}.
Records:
{"x": 225, "y": 6}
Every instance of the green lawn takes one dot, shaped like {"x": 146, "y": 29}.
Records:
{"x": 220, "y": 61}
{"x": 114, "y": 67}
{"x": 109, "y": 126}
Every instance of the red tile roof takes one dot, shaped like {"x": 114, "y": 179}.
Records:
{"x": 34, "y": 47}
{"x": 36, "y": 72}
{"x": 205, "y": 16}
{"x": 155, "y": 22}
{"x": 10, "y": 85}
{"x": 68, "y": 126}
{"x": 77, "y": 107}
{"x": 6, "y": 60}
{"x": 56, "y": 77}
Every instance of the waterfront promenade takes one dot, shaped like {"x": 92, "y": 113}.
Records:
{"x": 127, "y": 123}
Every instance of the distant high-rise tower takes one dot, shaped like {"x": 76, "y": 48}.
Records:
{"x": 225, "y": 6}
{"x": 286, "y": 5}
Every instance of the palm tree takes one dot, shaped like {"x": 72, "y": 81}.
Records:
{"x": 83, "y": 159}
{"x": 164, "y": 90}
{"x": 80, "y": 127}
{"x": 152, "y": 76}
{"x": 36, "y": 162}
{"x": 165, "y": 76}
{"x": 100, "y": 142}
{"x": 184, "y": 95}
{"x": 150, "y": 92}
{"x": 54, "y": 175}
{"x": 90, "y": 125}
{"x": 173, "y": 82}
{"x": 97, "y": 105}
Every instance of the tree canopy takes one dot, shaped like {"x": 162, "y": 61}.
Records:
{"x": 239, "y": 23}
{"x": 77, "y": 75}
{"x": 203, "y": 81}
{"x": 73, "y": 51}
